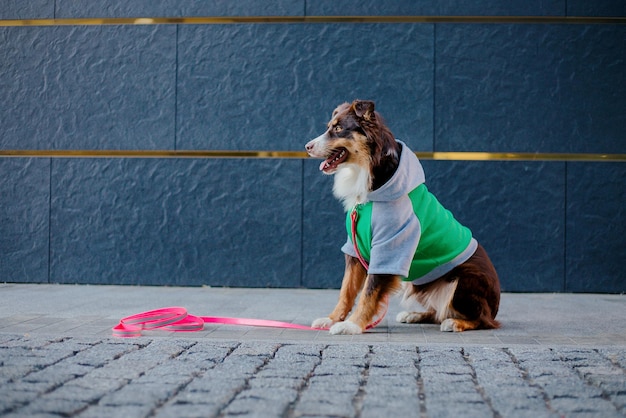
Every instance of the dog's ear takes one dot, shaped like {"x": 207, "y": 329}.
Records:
{"x": 363, "y": 109}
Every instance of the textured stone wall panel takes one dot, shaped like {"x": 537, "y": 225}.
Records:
{"x": 176, "y": 222}
{"x": 596, "y": 227}
{"x": 548, "y": 226}
{"x": 436, "y": 8}
{"x": 275, "y": 86}
{"x": 177, "y": 8}
{"x": 601, "y": 8}
{"x": 24, "y": 213}
{"x": 87, "y": 87}
{"x": 531, "y": 88}
{"x": 515, "y": 210}
{"x": 32, "y": 9}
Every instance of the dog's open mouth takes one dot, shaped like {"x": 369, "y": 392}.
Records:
{"x": 336, "y": 157}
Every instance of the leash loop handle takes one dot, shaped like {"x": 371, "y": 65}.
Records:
{"x": 176, "y": 319}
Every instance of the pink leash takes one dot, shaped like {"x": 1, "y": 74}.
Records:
{"x": 178, "y": 320}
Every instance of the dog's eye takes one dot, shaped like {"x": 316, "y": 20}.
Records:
{"x": 337, "y": 128}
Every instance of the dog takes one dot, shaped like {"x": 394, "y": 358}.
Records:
{"x": 399, "y": 235}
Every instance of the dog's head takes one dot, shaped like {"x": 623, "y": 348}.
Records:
{"x": 356, "y": 134}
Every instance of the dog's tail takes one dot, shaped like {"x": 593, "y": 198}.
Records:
{"x": 486, "y": 322}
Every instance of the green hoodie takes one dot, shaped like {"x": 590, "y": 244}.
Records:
{"x": 404, "y": 230}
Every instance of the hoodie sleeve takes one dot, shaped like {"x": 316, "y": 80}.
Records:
{"x": 348, "y": 248}
{"x": 394, "y": 238}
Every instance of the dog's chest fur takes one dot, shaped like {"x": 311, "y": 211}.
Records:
{"x": 352, "y": 184}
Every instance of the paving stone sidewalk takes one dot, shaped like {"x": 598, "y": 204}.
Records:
{"x": 95, "y": 377}
{"x": 556, "y": 355}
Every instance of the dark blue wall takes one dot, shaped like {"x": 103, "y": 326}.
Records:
{"x": 490, "y": 87}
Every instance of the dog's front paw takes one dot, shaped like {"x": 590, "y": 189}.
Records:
{"x": 345, "y": 328}
{"x": 322, "y": 323}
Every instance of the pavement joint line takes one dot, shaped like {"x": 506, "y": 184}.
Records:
{"x": 357, "y": 401}
{"x": 421, "y": 394}
{"x": 526, "y": 376}
{"x": 290, "y": 410}
{"x": 477, "y": 386}
{"x": 246, "y": 385}
{"x": 180, "y": 387}
{"x": 588, "y": 380}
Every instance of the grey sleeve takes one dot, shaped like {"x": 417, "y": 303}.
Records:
{"x": 348, "y": 248}
{"x": 395, "y": 236}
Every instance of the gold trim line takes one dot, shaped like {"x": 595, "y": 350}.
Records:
{"x": 220, "y": 20}
{"x": 440, "y": 156}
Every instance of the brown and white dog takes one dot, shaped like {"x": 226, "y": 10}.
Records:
{"x": 362, "y": 153}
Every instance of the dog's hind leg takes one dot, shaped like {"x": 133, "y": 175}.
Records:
{"x": 459, "y": 321}
{"x": 476, "y": 298}
{"x": 353, "y": 279}
{"x": 434, "y": 296}
{"x": 458, "y": 325}
{"x": 428, "y": 317}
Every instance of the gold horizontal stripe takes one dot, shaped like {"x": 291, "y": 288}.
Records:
{"x": 218, "y": 20}
{"x": 151, "y": 154}
{"x": 519, "y": 156}
{"x": 441, "y": 156}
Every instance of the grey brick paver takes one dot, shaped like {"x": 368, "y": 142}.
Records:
{"x": 170, "y": 377}
{"x": 165, "y": 378}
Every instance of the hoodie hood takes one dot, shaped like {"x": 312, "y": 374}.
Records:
{"x": 407, "y": 177}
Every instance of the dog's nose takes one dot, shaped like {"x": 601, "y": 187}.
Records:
{"x": 309, "y": 146}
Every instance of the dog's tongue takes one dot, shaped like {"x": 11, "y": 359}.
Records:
{"x": 334, "y": 160}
